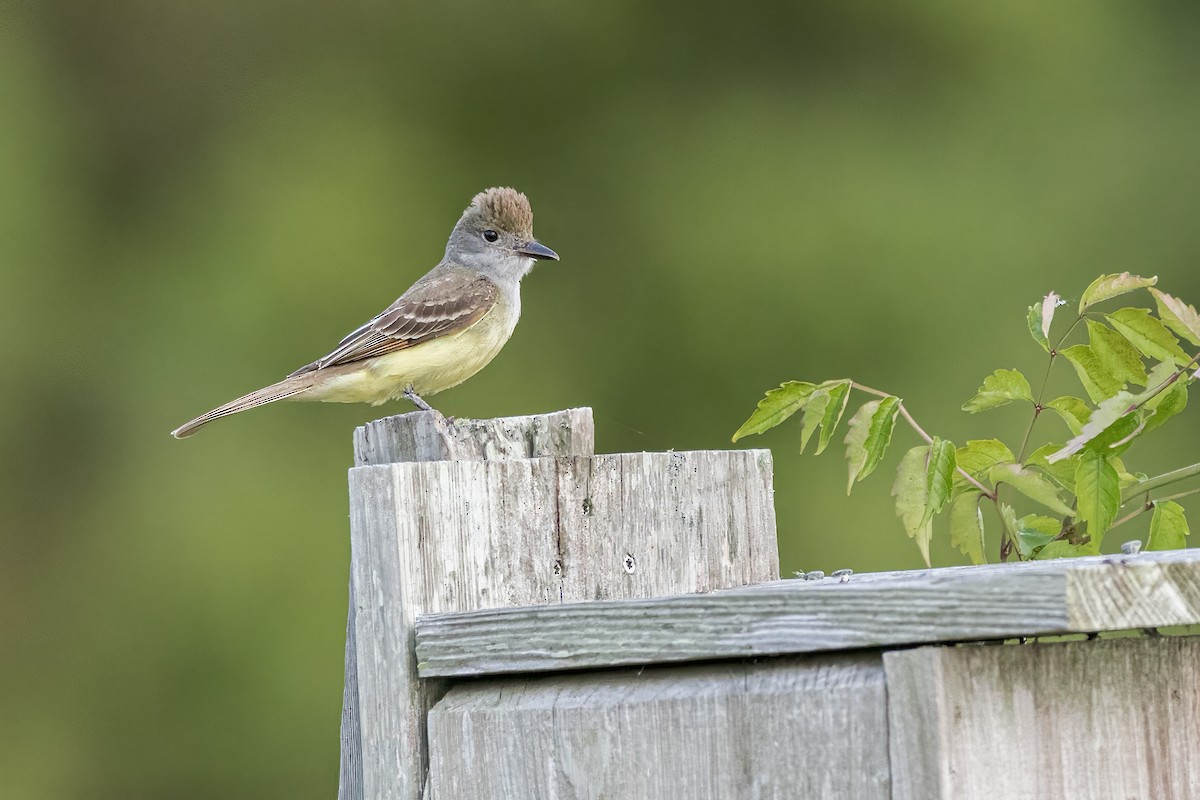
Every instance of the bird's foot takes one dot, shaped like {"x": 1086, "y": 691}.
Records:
{"x": 418, "y": 401}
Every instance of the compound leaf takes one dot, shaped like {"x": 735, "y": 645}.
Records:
{"x": 1000, "y": 388}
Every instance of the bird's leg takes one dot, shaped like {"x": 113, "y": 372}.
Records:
{"x": 417, "y": 400}
{"x": 420, "y": 403}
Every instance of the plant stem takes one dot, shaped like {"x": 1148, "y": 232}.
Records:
{"x": 1150, "y": 394}
{"x": 1041, "y": 395}
{"x": 1007, "y": 539}
{"x": 1159, "y": 481}
{"x": 921, "y": 432}
{"x": 1149, "y": 504}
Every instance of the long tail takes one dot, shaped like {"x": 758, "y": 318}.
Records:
{"x": 269, "y": 394}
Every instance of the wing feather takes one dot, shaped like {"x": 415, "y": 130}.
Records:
{"x": 436, "y": 305}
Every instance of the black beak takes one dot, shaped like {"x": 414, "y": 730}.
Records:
{"x": 535, "y": 249}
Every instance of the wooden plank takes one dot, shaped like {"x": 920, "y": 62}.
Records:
{"x": 889, "y": 609}
{"x": 1114, "y": 718}
{"x": 458, "y": 535}
{"x": 424, "y": 436}
{"x": 798, "y": 727}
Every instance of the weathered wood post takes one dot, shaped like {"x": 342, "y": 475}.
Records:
{"x": 469, "y": 515}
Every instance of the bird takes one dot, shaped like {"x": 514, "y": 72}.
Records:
{"x": 449, "y": 324}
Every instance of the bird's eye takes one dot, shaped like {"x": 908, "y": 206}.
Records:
{"x": 490, "y": 236}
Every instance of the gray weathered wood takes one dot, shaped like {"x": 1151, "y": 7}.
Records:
{"x": 956, "y": 604}
{"x": 424, "y": 436}
{"x": 810, "y": 728}
{"x": 458, "y": 535}
{"x": 1115, "y": 718}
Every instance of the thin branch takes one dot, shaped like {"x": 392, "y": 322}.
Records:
{"x": 1041, "y": 395}
{"x": 1150, "y": 394}
{"x": 1149, "y": 504}
{"x": 1142, "y": 509}
{"x": 921, "y": 432}
{"x": 1159, "y": 481}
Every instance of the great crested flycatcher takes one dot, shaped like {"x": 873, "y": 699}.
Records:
{"x": 443, "y": 330}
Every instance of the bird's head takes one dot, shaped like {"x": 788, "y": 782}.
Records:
{"x": 495, "y": 235}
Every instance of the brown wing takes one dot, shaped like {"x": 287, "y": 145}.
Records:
{"x": 436, "y": 305}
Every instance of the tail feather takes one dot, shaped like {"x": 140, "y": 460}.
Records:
{"x": 268, "y": 394}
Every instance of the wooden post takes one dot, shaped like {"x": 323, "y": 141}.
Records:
{"x": 489, "y": 514}
{"x": 419, "y": 437}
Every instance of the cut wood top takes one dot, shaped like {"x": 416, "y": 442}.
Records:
{"x": 428, "y": 436}
{"x": 955, "y": 604}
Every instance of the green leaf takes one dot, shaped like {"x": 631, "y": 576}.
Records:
{"x": 1061, "y": 471}
{"x": 856, "y": 438}
{"x": 1107, "y": 287}
{"x": 814, "y": 412}
{"x": 1164, "y": 377}
{"x": 839, "y": 396}
{"x": 1160, "y": 374}
{"x": 1034, "y": 319}
{"x": 1098, "y": 492}
{"x": 1040, "y": 317}
{"x": 1104, "y": 417}
{"x": 1064, "y": 549}
{"x": 1032, "y": 484}
{"x": 778, "y": 405}
{"x": 1178, "y": 316}
{"x": 1148, "y": 334}
{"x": 1098, "y": 382}
{"x": 911, "y": 492}
{"x": 939, "y": 477}
{"x": 1116, "y": 355}
{"x": 1031, "y": 532}
{"x": 998, "y": 389}
{"x": 1118, "y": 437}
{"x": 1166, "y": 405}
{"x": 869, "y": 435}
{"x": 1123, "y": 475}
{"x": 966, "y": 526}
{"x": 978, "y": 456}
{"x": 1073, "y": 411}
{"x": 1168, "y": 527}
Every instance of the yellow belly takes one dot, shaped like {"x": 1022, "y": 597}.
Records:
{"x": 429, "y": 368}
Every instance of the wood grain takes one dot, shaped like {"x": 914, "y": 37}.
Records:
{"x": 799, "y": 727}
{"x": 423, "y": 436}
{"x": 426, "y": 436}
{"x": 458, "y": 535}
{"x": 1113, "y": 718}
{"x": 888, "y": 609}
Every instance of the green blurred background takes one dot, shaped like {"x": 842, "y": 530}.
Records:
{"x": 196, "y": 198}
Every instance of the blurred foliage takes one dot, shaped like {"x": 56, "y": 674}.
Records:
{"x": 196, "y": 198}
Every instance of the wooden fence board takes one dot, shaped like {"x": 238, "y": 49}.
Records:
{"x": 925, "y": 606}
{"x": 1114, "y": 718}
{"x": 798, "y": 727}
